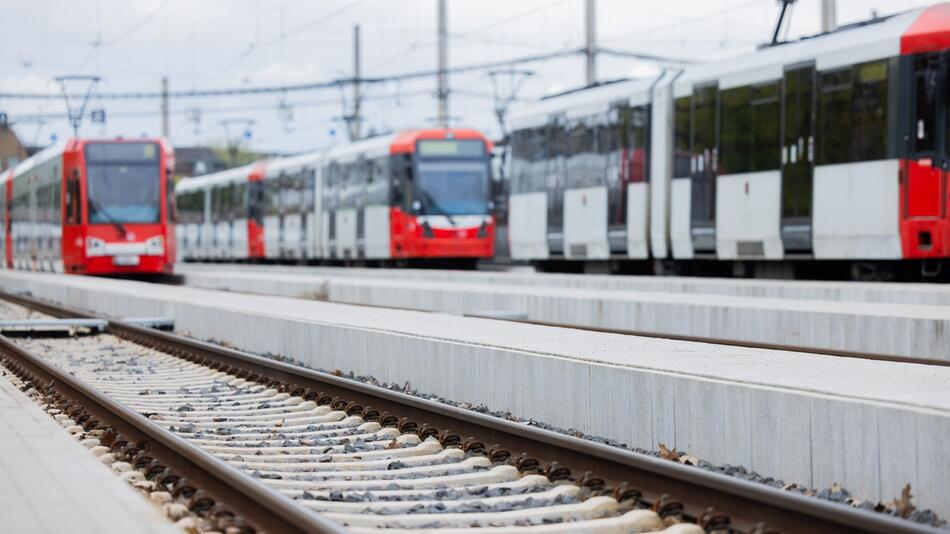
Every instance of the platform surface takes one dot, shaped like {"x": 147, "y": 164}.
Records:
{"x": 887, "y": 329}
{"x": 871, "y": 425}
{"x": 885, "y": 292}
{"x": 49, "y": 483}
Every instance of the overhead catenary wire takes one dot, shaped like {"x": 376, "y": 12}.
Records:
{"x": 100, "y": 43}
{"x": 328, "y": 84}
{"x": 517, "y": 16}
{"x": 328, "y": 102}
{"x": 256, "y": 44}
{"x": 685, "y": 22}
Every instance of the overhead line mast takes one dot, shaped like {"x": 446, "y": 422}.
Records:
{"x": 443, "y": 77}
{"x": 356, "y": 118}
{"x": 590, "y": 50}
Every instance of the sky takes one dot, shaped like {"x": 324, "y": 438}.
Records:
{"x": 225, "y": 44}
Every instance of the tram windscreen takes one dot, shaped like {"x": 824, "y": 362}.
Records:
{"x": 123, "y": 183}
{"x": 453, "y": 176}
{"x": 454, "y": 187}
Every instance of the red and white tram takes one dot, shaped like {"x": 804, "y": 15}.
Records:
{"x": 830, "y": 151}
{"x": 420, "y": 194}
{"x": 91, "y": 207}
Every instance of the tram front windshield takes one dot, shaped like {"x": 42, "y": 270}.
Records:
{"x": 453, "y": 177}
{"x": 123, "y": 183}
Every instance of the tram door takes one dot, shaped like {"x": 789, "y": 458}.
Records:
{"x": 798, "y": 158}
{"x": 703, "y": 168}
{"x": 928, "y": 164}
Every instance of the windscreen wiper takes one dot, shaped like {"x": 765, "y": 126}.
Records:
{"x": 105, "y": 214}
{"x": 427, "y": 199}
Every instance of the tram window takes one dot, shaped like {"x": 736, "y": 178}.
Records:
{"x": 869, "y": 134}
{"x": 639, "y": 142}
{"x": 329, "y": 186}
{"x": 925, "y": 89}
{"x": 585, "y": 166}
{"x": 681, "y": 133}
{"x": 72, "y": 201}
{"x": 215, "y": 201}
{"x": 834, "y": 117}
{"x": 377, "y": 187}
{"x": 346, "y": 185}
{"x": 528, "y": 156}
{"x": 170, "y": 197}
{"x": 614, "y": 131}
{"x": 198, "y": 205}
{"x": 766, "y": 127}
{"x": 186, "y": 208}
{"x": 272, "y": 196}
{"x": 704, "y": 127}
{"x": 239, "y": 201}
{"x": 640, "y": 126}
{"x": 580, "y": 138}
{"x": 735, "y": 131}
{"x": 309, "y": 182}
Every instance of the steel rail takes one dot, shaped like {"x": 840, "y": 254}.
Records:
{"x": 747, "y": 504}
{"x": 264, "y": 508}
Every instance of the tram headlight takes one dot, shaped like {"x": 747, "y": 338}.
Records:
{"x": 95, "y": 246}
{"x": 155, "y": 246}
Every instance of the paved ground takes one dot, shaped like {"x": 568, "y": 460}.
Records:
{"x": 49, "y": 483}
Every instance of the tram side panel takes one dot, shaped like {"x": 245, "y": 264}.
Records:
{"x": 528, "y": 202}
{"x": 661, "y": 165}
{"x": 584, "y": 201}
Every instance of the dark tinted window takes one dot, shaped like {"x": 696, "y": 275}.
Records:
{"x": 377, "y": 181}
{"x": 639, "y": 135}
{"x": 869, "y": 139}
{"x": 681, "y": 134}
{"x": 191, "y": 207}
{"x": 704, "y": 127}
{"x": 528, "y": 156}
{"x": 927, "y": 67}
{"x": 834, "y": 117}
{"x": 735, "y": 132}
{"x": 291, "y": 191}
{"x": 239, "y": 200}
{"x": 853, "y": 114}
{"x": 586, "y": 164}
{"x": 272, "y": 195}
{"x": 765, "y": 116}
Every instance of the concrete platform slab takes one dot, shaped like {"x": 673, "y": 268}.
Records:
{"x": 49, "y": 483}
{"x": 901, "y": 330}
{"x": 795, "y": 416}
{"x": 885, "y": 292}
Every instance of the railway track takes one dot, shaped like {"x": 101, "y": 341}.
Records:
{"x": 273, "y": 443}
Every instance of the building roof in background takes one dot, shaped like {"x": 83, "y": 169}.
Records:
{"x": 12, "y": 150}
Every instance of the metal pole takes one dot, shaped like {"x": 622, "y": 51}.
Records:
{"x": 591, "y": 49}
{"x": 443, "y": 92}
{"x": 165, "y": 107}
{"x": 829, "y": 22}
{"x": 355, "y": 123}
